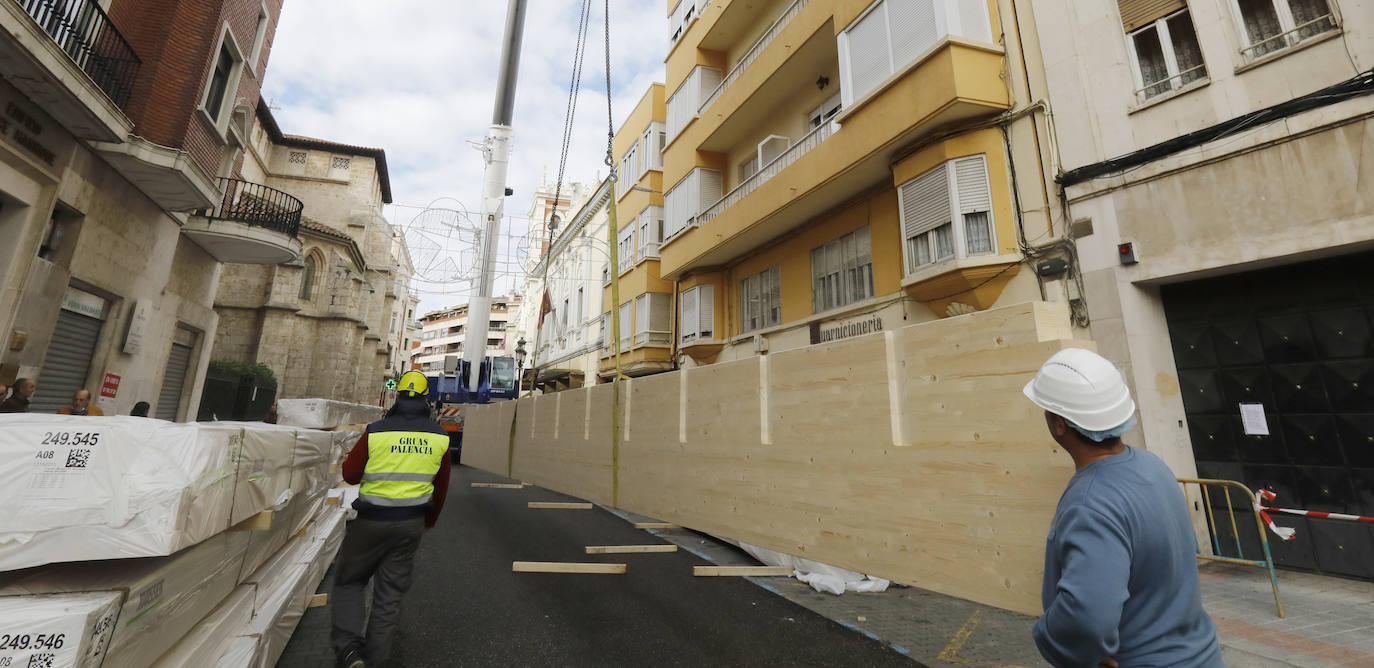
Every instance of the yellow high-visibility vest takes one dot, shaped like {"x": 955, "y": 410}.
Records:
{"x": 401, "y": 466}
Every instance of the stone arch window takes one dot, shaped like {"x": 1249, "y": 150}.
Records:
{"x": 308, "y": 278}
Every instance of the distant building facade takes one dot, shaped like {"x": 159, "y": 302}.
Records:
{"x": 443, "y": 332}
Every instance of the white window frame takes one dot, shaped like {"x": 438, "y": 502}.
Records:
{"x": 1166, "y": 44}
{"x": 684, "y": 105}
{"x": 690, "y": 319}
{"x": 824, "y": 111}
{"x": 220, "y": 118}
{"x": 651, "y": 149}
{"x": 653, "y": 320}
{"x": 760, "y": 296}
{"x": 956, "y": 214}
{"x": 627, "y": 323}
{"x": 625, "y": 249}
{"x": 949, "y": 20}
{"x": 259, "y": 38}
{"x": 843, "y": 277}
{"x": 650, "y": 235}
{"x": 1288, "y": 27}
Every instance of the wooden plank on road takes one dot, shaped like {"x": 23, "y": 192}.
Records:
{"x": 566, "y": 567}
{"x": 655, "y": 525}
{"x": 562, "y": 506}
{"x": 629, "y": 549}
{"x": 499, "y": 485}
{"x": 713, "y": 571}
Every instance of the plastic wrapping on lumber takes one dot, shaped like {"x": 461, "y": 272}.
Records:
{"x": 212, "y": 636}
{"x": 162, "y": 598}
{"x": 93, "y": 488}
{"x": 325, "y": 413}
{"x": 83, "y": 623}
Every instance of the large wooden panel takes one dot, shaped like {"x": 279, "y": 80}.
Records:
{"x": 486, "y": 436}
{"x": 910, "y": 455}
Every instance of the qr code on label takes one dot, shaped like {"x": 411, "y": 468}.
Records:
{"x": 45, "y": 660}
{"x": 78, "y": 459}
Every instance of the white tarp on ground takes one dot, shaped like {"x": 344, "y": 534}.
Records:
{"x": 324, "y": 413}
{"x": 162, "y": 598}
{"x": 91, "y": 488}
{"x": 58, "y": 630}
{"x": 821, "y": 577}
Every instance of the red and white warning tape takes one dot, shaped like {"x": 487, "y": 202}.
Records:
{"x": 1287, "y": 533}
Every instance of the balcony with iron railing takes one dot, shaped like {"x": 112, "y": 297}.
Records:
{"x": 83, "y": 30}
{"x": 69, "y": 55}
{"x": 252, "y": 224}
{"x": 752, "y": 54}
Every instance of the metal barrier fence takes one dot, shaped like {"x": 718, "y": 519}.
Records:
{"x": 1206, "y": 487}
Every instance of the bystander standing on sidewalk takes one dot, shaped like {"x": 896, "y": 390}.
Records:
{"x": 81, "y": 405}
{"x": 1121, "y": 582}
{"x": 18, "y": 401}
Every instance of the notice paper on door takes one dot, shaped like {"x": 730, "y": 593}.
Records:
{"x": 1252, "y": 419}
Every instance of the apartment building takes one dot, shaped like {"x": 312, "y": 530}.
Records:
{"x": 329, "y": 322}
{"x": 837, "y": 168}
{"x": 1216, "y": 161}
{"x": 566, "y": 347}
{"x": 645, "y": 308}
{"x": 121, "y": 142}
{"x": 443, "y": 332}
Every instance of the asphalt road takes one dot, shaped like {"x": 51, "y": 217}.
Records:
{"x": 468, "y": 609}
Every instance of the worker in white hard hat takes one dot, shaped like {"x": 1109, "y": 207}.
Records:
{"x": 1121, "y": 582}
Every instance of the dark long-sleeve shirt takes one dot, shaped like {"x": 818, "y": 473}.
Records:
{"x": 356, "y": 464}
{"x": 1121, "y": 577}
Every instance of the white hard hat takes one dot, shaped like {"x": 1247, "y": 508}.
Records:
{"x": 1083, "y": 388}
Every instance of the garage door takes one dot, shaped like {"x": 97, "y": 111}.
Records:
{"x": 174, "y": 375}
{"x": 1294, "y": 345}
{"x": 68, "y": 361}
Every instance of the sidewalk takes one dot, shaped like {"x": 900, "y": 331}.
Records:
{"x": 1330, "y": 621}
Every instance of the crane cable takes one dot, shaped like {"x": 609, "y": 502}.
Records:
{"x": 574, "y": 86}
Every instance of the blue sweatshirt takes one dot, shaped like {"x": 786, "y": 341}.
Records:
{"x": 1121, "y": 573}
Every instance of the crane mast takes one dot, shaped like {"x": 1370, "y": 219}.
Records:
{"x": 496, "y": 153}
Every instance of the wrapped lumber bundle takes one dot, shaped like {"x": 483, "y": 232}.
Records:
{"x": 57, "y": 629}
{"x": 325, "y": 413}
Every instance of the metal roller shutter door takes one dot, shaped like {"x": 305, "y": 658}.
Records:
{"x": 67, "y": 363}
{"x": 169, "y": 397}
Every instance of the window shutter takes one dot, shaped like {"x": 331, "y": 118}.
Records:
{"x": 912, "y": 26}
{"x": 711, "y": 190}
{"x": 689, "y": 315}
{"x": 867, "y": 45}
{"x": 925, "y": 202}
{"x": 1136, "y": 13}
{"x": 626, "y": 333}
{"x": 642, "y": 313}
{"x": 706, "y": 326}
{"x": 972, "y": 177}
{"x": 675, "y": 112}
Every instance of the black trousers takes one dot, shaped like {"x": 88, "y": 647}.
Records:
{"x": 383, "y": 552}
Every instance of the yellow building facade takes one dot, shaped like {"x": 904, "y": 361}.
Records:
{"x": 645, "y": 308}
{"x": 835, "y": 168}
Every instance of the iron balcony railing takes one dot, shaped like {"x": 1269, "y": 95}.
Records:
{"x": 739, "y": 192}
{"x": 83, "y": 30}
{"x": 753, "y": 53}
{"x": 259, "y": 206}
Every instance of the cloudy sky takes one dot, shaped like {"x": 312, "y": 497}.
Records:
{"x": 418, "y": 79}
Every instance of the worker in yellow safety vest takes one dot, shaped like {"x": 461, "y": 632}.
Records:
{"x": 402, "y": 463}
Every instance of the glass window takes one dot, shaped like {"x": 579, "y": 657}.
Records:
{"x": 761, "y": 300}
{"x": 1272, "y": 25}
{"x": 842, "y": 271}
{"x": 1167, "y": 55}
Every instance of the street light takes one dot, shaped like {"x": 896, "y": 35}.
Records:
{"x": 520, "y": 362}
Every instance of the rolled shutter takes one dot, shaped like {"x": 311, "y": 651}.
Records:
{"x": 1136, "y": 13}
{"x": 912, "y": 25}
{"x": 711, "y": 191}
{"x": 867, "y": 46}
{"x": 925, "y": 202}
{"x": 169, "y": 397}
{"x": 972, "y": 177}
{"x": 708, "y": 314}
{"x": 689, "y": 315}
{"x": 67, "y": 363}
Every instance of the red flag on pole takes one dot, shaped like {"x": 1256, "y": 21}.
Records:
{"x": 545, "y": 307}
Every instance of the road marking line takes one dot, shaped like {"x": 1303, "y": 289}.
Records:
{"x": 950, "y": 654}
